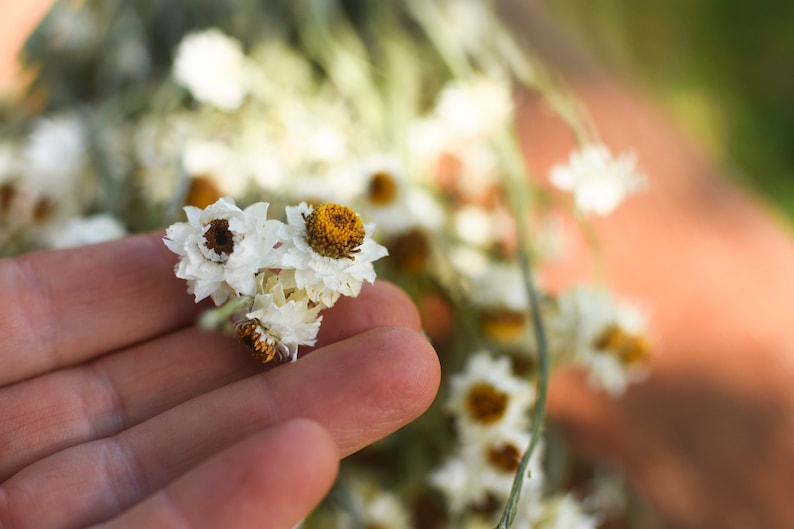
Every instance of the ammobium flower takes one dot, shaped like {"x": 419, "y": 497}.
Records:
{"x": 222, "y": 248}
{"x": 280, "y": 320}
{"x": 599, "y": 181}
{"x": 485, "y": 469}
{"x": 213, "y": 67}
{"x": 487, "y": 397}
{"x": 330, "y": 250}
{"x": 590, "y": 328}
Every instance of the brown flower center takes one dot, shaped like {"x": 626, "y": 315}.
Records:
{"x": 410, "y": 251}
{"x": 334, "y": 231}
{"x": 628, "y": 348}
{"x": 504, "y": 457}
{"x": 219, "y": 238}
{"x": 501, "y": 323}
{"x": 382, "y": 189}
{"x": 249, "y": 335}
{"x": 485, "y": 403}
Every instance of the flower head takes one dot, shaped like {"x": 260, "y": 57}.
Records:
{"x": 280, "y": 320}
{"x": 330, "y": 250}
{"x": 487, "y": 397}
{"x": 222, "y": 248}
{"x": 590, "y": 328}
{"x": 599, "y": 181}
{"x": 213, "y": 67}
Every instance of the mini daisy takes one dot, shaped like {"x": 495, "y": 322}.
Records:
{"x": 495, "y": 463}
{"x": 590, "y": 328}
{"x": 213, "y": 67}
{"x": 480, "y": 471}
{"x": 599, "y": 181}
{"x": 561, "y": 512}
{"x": 280, "y": 320}
{"x": 222, "y": 248}
{"x": 487, "y": 397}
{"x": 374, "y": 508}
{"x": 82, "y": 231}
{"x": 330, "y": 250}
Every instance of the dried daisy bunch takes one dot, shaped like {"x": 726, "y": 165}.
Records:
{"x": 402, "y": 113}
{"x": 272, "y": 279}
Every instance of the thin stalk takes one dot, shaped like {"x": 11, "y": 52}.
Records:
{"x": 516, "y": 182}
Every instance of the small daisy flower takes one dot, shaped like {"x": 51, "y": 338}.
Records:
{"x": 487, "y": 397}
{"x": 590, "y": 328}
{"x": 222, "y": 248}
{"x": 330, "y": 250}
{"x": 486, "y": 468}
{"x": 82, "y": 231}
{"x": 495, "y": 463}
{"x": 599, "y": 181}
{"x": 280, "y": 320}
{"x": 213, "y": 67}
{"x": 561, "y": 512}
{"x": 374, "y": 508}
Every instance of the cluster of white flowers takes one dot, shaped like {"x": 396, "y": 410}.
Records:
{"x": 491, "y": 407}
{"x": 416, "y": 151}
{"x": 281, "y": 275}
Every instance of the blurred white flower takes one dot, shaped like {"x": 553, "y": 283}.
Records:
{"x": 330, "y": 249}
{"x": 599, "y": 181}
{"x": 213, "y": 67}
{"x": 55, "y": 152}
{"x": 83, "y": 231}
{"x": 222, "y": 248}
{"x": 561, "y": 512}
{"x": 487, "y": 397}
{"x": 590, "y": 328}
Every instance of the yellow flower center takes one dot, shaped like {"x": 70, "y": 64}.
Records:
{"x": 249, "y": 335}
{"x": 485, "y": 403}
{"x": 382, "y": 188}
{"x": 628, "y": 348}
{"x": 334, "y": 231}
{"x": 219, "y": 238}
{"x": 502, "y": 324}
{"x": 504, "y": 457}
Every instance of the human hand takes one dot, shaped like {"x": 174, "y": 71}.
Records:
{"x": 115, "y": 411}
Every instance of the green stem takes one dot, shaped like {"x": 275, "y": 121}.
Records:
{"x": 517, "y": 190}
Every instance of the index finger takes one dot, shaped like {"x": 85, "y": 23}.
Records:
{"x": 59, "y": 308}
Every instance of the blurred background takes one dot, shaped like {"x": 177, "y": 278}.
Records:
{"x": 724, "y": 69}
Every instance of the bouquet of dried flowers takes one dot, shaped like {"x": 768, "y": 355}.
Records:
{"x": 345, "y": 131}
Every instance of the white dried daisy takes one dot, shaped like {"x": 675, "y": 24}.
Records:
{"x": 371, "y": 506}
{"x": 281, "y": 319}
{"x": 495, "y": 461}
{"x": 590, "y": 328}
{"x": 483, "y": 469}
{"x": 222, "y": 248}
{"x": 213, "y": 67}
{"x": 560, "y": 512}
{"x": 82, "y": 231}
{"x": 487, "y": 397}
{"x": 599, "y": 181}
{"x": 330, "y": 249}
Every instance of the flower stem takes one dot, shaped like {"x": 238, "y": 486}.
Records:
{"x": 516, "y": 181}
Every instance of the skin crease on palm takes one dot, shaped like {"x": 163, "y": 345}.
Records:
{"x": 707, "y": 439}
